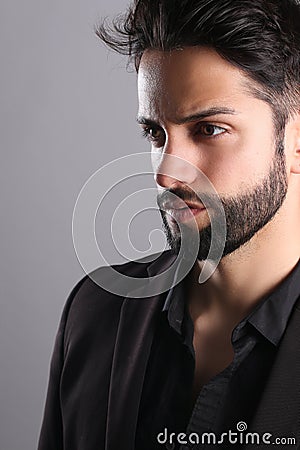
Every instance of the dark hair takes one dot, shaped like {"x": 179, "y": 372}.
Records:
{"x": 261, "y": 37}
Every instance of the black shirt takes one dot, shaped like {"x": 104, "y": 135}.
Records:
{"x": 229, "y": 399}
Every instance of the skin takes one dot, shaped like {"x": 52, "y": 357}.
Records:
{"x": 235, "y": 155}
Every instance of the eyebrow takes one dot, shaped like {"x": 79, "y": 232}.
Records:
{"x": 214, "y": 111}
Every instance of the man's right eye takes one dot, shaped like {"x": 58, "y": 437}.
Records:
{"x": 154, "y": 135}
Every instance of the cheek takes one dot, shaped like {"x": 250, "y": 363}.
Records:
{"x": 237, "y": 164}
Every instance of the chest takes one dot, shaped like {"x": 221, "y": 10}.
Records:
{"x": 213, "y": 353}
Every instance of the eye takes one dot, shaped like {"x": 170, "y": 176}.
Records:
{"x": 155, "y": 135}
{"x": 209, "y": 130}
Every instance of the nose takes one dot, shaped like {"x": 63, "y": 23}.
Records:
{"x": 175, "y": 165}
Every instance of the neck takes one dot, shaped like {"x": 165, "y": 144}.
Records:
{"x": 250, "y": 273}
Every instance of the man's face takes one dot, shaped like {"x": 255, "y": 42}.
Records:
{"x": 196, "y": 106}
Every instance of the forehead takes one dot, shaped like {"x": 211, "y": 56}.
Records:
{"x": 176, "y": 82}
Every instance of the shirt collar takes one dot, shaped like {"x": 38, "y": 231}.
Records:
{"x": 174, "y": 302}
{"x": 161, "y": 262}
{"x": 174, "y": 305}
{"x": 176, "y": 270}
{"x": 271, "y": 315}
{"x": 269, "y": 318}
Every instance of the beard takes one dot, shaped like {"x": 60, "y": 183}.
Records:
{"x": 245, "y": 214}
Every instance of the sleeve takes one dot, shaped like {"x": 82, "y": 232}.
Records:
{"x": 51, "y": 435}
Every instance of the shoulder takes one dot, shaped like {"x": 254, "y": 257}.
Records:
{"x": 97, "y": 298}
{"x": 109, "y": 283}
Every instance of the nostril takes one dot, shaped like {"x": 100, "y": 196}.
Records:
{"x": 173, "y": 169}
{"x": 164, "y": 180}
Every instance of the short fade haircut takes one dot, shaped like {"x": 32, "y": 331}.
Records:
{"x": 260, "y": 37}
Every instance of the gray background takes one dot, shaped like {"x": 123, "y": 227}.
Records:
{"x": 67, "y": 107}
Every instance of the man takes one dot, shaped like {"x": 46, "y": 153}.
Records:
{"x": 203, "y": 363}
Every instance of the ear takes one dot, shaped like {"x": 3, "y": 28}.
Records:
{"x": 293, "y": 136}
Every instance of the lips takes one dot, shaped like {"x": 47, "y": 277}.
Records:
{"x": 181, "y": 213}
{"x": 181, "y": 205}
